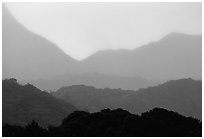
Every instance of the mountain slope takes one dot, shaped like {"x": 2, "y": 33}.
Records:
{"x": 27, "y": 55}
{"x": 23, "y": 103}
{"x": 183, "y": 96}
{"x": 173, "y": 57}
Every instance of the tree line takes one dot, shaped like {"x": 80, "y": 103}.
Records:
{"x": 157, "y": 122}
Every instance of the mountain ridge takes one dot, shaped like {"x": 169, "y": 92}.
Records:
{"x": 168, "y": 58}
{"x": 183, "y": 96}
{"x": 124, "y": 50}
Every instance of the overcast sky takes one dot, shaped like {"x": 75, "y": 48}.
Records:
{"x": 81, "y": 29}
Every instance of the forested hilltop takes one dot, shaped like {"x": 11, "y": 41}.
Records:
{"x": 158, "y": 122}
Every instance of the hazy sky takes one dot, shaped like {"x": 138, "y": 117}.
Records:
{"x": 80, "y": 29}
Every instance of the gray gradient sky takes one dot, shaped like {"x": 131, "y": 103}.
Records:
{"x": 81, "y": 29}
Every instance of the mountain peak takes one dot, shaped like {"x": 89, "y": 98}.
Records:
{"x": 178, "y": 35}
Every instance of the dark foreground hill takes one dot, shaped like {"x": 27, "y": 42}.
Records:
{"x": 116, "y": 123}
{"x": 183, "y": 96}
{"x": 23, "y": 103}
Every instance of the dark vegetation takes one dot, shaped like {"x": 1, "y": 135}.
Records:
{"x": 116, "y": 123}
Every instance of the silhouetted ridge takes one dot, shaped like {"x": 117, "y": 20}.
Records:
{"x": 158, "y": 122}
{"x": 23, "y": 103}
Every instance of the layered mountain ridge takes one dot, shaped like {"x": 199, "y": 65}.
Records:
{"x": 28, "y": 56}
{"x": 183, "y": 96}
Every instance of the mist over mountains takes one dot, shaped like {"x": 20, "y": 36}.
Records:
{"x": 31, "y": 58}
{"x": 94, "y": 79}
{"x": 166, "y": 74}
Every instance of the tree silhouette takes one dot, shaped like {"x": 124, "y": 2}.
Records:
{"x": 158, "y": 122}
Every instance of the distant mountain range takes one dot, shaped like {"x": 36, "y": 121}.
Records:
{"x": 30, "y": 57}
{"x": 94, "y": 79}
{"x": 183, "y": 96}
{"x": 23, "y": 103}
{"x": 175, "y": 56}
